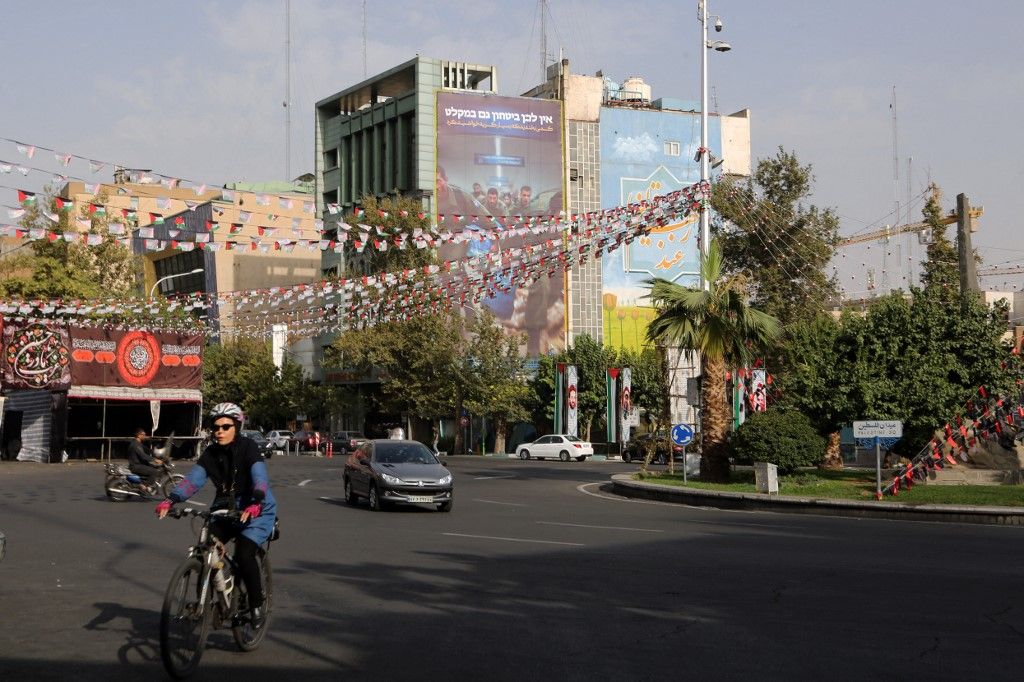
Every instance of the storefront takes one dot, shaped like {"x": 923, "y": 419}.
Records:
{"x": 78, "y": 392}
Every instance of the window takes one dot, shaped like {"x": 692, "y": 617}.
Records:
{"x": 331, "y": 158}
{"x": 671, "y": 148}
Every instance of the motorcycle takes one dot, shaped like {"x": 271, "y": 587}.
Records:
{"x": 121, "y": 483}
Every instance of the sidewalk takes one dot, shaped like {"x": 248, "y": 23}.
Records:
{"x": 625, "y": 485}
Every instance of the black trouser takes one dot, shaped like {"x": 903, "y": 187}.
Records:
{"x": 245, "y": 557}
{"x": 148, "y": 473}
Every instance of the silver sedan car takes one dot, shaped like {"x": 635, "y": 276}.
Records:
{"x": 389, "y": 472}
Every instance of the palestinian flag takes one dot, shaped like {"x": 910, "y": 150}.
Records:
{"x": 98, "y": 209}
{"x": 156, "y": 219}
{"x": 179, "y": 220}
{"x": 26, "y": 197}
{"x": 64, "y": 204}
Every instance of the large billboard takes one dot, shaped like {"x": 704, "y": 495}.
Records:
{"x": 646, "y": 153}
{"x": 499, "y": 162}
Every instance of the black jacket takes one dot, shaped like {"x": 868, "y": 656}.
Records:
{"x": 229, "y": 468}
{"x": 137, "y": 454}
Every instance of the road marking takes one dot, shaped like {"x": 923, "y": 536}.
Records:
{"x": 580, "y": 525}
{"x": 302, "y": 483}
{"x": 493, "y": 537}
{"x": 507, "y": 504}
{"x": 488, "y": 478}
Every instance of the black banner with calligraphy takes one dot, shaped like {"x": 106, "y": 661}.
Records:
{"x": 36, "y": 355}
{"x": 136, "y": 358}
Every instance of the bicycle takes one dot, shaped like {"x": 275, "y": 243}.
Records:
{"x": 206, "y": 592}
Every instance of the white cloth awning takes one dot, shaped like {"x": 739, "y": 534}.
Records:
{"x": 191, "y": 395}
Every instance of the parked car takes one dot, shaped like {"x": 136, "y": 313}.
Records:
{"x": 397, "y": 472}
{"x": 346, "y": 442}
{"x": 308, "y": 441}
{"x": 636, "y": 448}
{"x": 266, "y": 449}
{"x": 557, "y": 445}
{"x": 279, "y": 439}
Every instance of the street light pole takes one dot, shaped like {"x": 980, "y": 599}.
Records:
{"x": 705, "y": 217}
{"x": 169, "y": 277}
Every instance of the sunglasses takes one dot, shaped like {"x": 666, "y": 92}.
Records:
{"x": 222, "y": 427}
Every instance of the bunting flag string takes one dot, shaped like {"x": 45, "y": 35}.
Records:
{"x": 389, "y": 294}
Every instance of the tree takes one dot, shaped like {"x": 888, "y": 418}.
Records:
{"x": 940, "y": 272}
{"x": 914, "y": 358}
{"x": 423, "y": 362}
{"x": 59, "y": 269}
{"x": 649, "y": 384}
{"x": 722, "y": 328}
{"x": 776, "y": 241}
{"x": 497, "y": 389}
{"x": 243, "y": 372}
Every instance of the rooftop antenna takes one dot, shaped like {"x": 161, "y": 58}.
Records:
{"x": 364, "y": 39}
{"x": 543, "y": 41}
{"x": 288, "y": 89}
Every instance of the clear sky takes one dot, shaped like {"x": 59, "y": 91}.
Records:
{"x": 195, "y": 89}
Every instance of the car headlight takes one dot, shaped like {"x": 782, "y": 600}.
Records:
{"x": 393, "y": 480}
{"x": 445, "y": 480}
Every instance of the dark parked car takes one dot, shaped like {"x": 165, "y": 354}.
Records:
{"x": 636, "y": 448}
{"x": 346, "y": 442}
{"x": 308, "y": 440}
{"x": 397, "y": 472}
{"x": 266, "y": 449}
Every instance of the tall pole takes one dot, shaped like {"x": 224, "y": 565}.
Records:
{"x": 543, "y": 41}
{"x": 288, "y": 90}
{"x": 705, "y": 217}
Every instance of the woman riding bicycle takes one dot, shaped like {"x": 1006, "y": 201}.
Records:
{"x": 236, "y": 467}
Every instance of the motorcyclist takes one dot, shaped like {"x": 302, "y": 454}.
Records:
{"x": 236, "y": 467}
{"x": 141, "y": 463}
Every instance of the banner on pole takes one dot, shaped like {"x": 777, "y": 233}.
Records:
{"x": 625, "y": 403}
{"x": 571, "y": 412}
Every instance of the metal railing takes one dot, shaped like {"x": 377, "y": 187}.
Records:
{"x": 103, "y": 448}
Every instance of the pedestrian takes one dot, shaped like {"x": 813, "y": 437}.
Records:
{"x": 435, "y": 436}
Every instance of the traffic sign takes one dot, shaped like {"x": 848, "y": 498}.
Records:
{"x": 682, "y": 434}
{"x": 881, "y": 429}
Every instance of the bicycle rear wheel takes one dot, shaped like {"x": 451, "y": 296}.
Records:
{"x": 246, "y": 636}
{"x": 184, "y": 621}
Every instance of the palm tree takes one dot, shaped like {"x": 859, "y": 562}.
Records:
{"x": 722, "y": 328}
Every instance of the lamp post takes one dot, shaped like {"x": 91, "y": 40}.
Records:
{"x": 169, "y": 277}
{"x": 704, "y": 152}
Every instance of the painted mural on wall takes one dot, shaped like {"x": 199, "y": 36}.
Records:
{"x": 644, "y": 154}
{"x": 499, "y": 163}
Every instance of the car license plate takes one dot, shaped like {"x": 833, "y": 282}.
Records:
{"x": 421, "y": 498}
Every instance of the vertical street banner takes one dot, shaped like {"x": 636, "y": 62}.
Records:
{"x": 758, "y": 391}
{"x": 625, "y": 403}
{"x": 35, "y": 356}
{"x": 559, "y": 396}
{"x": 499, "y": 164}
{"x": 571, "y": 401}
{"x": 611, "y": 403}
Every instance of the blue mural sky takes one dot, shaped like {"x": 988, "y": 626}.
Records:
{"x": 195, "y": 89}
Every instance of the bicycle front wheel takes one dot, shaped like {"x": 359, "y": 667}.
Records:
{"x": 246, "y": 636}
{"x": 185, "y": 620}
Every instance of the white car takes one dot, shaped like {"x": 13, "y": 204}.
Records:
{"x": 279, "y": 439}
{"x": 561, "y": 446}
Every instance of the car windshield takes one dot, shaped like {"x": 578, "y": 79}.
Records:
{"x": 255, "y": 435}
{"x": 284, "y": 433}
{"x": 402, "y": 453}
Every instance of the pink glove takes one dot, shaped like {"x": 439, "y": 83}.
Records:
{"x": 163, "y": 508}
{"x": 251, "y": 512}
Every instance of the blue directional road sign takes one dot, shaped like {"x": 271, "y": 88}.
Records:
{"x": 682, "y": 434}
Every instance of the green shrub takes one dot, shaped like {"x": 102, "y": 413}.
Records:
{"x": 783, "y": 437}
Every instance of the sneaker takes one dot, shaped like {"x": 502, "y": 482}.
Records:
{"x": 258, "y": 616}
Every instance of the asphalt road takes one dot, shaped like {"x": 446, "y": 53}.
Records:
{"x": 537, "y": 574}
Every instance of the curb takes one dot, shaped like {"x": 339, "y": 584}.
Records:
{"x": 623, "y": 484}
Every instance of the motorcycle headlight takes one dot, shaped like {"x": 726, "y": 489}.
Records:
{"x": 393, "y": 480}
{"x": 445, "y": 480}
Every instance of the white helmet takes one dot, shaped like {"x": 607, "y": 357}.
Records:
{"x": 227, "y": 410}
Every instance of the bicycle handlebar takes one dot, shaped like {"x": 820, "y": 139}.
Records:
{"x": 189, "y": 511}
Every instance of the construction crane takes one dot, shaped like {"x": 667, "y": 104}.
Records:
{"x": 948, "y": 219}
